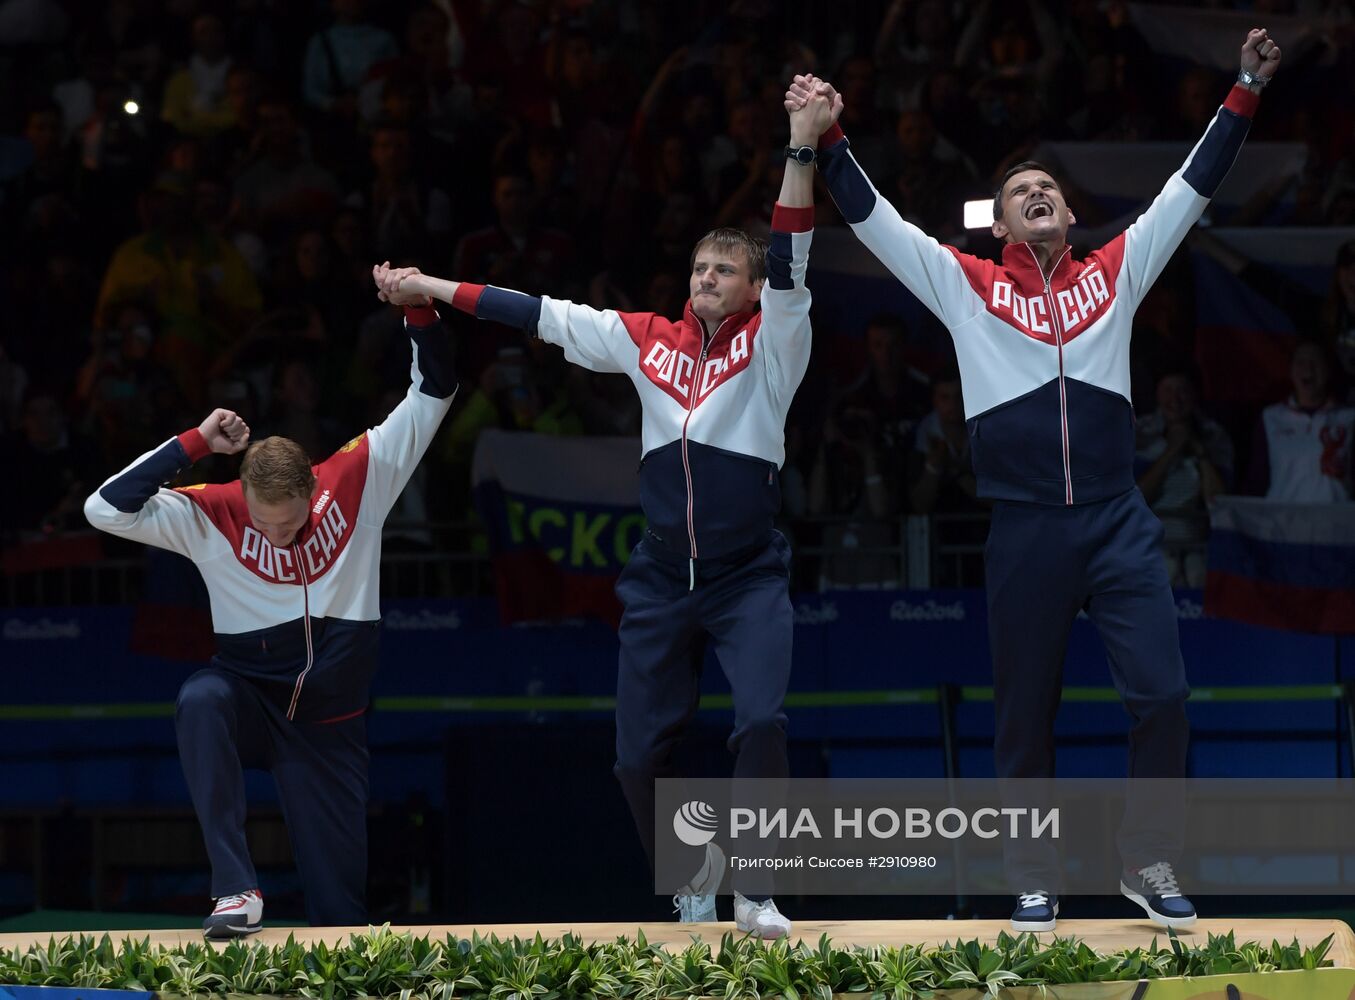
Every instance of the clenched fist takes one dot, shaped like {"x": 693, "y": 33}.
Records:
{"x": 225, "y": 432}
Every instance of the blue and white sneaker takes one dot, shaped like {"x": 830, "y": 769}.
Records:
{"x": 1035, "y": 911}
{"x": 695, "y": 901}
{"x": 235, "y": 916}
{"x": 1154, "y": 888}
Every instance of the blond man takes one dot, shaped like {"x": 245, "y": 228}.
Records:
{"x": 290, "y": 555}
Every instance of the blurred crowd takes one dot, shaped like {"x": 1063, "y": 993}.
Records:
{"x": 193, "y": 193}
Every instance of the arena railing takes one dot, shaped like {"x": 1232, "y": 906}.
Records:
{"x": 450, "y": 559}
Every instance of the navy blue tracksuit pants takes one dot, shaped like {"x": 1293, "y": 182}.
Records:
{"x": 225, "y": 724}
{"x": 742, "y": 605}
{"x": 1044, "y": 564}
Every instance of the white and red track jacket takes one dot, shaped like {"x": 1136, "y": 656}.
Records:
{"x": 1044, "y": 359}
{"x": 714, "y": 401}
{"x": 299, "y": 621}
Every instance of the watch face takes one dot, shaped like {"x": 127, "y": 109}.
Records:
{"x": 804, "y": 155}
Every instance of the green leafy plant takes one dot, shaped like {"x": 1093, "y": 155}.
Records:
{"x": 383, "y": 963}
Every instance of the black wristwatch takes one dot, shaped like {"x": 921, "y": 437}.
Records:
{"x": 801, "y": 154}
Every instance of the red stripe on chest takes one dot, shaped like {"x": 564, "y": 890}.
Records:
{"x": 322, "y": 540}
{"x": 672, "y": 359}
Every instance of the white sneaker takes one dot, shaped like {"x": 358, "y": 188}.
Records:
{"x": 762, "y": 920}
{"x": 695, "y": 901}
{"x": 235, "y": 916}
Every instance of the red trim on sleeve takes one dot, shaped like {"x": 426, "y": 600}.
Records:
{"x": 195, "y": 444}
{"x": 832, "y": 137}
{"x": 467, "y": 297}
{"x": 786, "y": 219}
{"x": 1242, "y": 101}
{"x": 421, "y": 315}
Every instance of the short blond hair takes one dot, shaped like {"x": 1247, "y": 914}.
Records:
{"x": 277, "y": 469}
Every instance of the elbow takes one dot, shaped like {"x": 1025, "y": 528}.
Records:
{"x": 97, "y": 511}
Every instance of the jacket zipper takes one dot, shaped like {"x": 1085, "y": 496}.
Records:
{"x": 306, "y": 623}
{"x": 686, "y": 462}
{"x": 1063, "y": 391}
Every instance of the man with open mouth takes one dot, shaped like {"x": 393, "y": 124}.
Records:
{"x": 1043, "y": 345}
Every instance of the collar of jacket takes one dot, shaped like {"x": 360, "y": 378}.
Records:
{"x": 1020, "y": 259}
{"x": 729, "y": 326}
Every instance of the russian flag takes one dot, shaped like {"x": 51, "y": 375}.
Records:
{"x": 1289, "y": 566}
{"x": 562, "y": 515}
{"x": 1243, "y": 341}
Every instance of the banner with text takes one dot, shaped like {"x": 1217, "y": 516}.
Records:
{"x": 563, "y": 514}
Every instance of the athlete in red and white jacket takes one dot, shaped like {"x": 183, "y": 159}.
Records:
{"x": 715, "y": 387}
{"x": 290, "y": 555}
{"x": 1042, "y": 339}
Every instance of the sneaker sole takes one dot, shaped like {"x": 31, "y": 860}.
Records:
{"x": 763, "y": 933}
{"x": 1035, "y": 926}
{"x": 1161, "y": 919}
{"x": 225, "y": 932}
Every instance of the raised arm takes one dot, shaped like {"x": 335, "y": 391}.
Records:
{"x": 1152, "y": 239}
{"x": 600, "y": 340}
{"x": 396, "y": 445}
{"x": 929, "y": 270}
{"x": 134, "y": 504}
{"x": 785, "y": 299}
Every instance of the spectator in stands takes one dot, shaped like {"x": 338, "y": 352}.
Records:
{"x": 930, "y": 177}
{"x": 1196, "y": 100}
{"x": 1303, "y": 446}
{"x": 554, "y": 196}
{"x": 749, "y": 135}
{"x": 127, "y": 396}
{"x": 195, "y": 96}
{"x": 424, "y": 80}
{"x": 282, "y": 185}
{"x": 339, "y": 56}
{"x": 52, "y": 171}
{"x": 515, "y": 252}
{"x": 351, "y": 240}
{"x": 230, "y": 147}
{"x": 405, "y": 215}
{"x": 583, "y": 83}
{"x": 1184, "y": 460}
{"x": 509, "y": 52}
{"x": 314, "y": 276}
{"x": 76, "y": 96}
{"x": 891, "y": 387}
{"x": 56, "y": 465}
{"x": 212, "y": 211}
{"x": 203, "y": 290}
{"x": 850, "y": 476}
{"x": 526, "y": 390}
{"x": 940, "y": 474}
{"x": 914, "y": 40}
{"x": 861, "y": 94}
{"x": 294, "y": 409}
{"x": 945, "y": 96}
